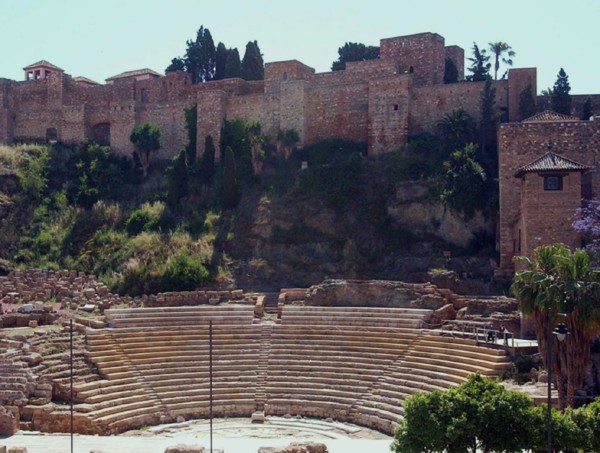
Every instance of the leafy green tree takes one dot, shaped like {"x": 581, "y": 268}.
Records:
{"x": 177, "y": 177}
{"x": 557, "y": 280}
{"x": 423, "y": 428}
{"x": 252, "y": 63}
{"x": 230, "y": 186}
{"x": 499, "y": 49}
{"x": 207, "y": 164}
{"x": 488, "y": 127}
{"x": 450, "y": 71}
{"x": 185, "y": 272}
{"x": 146, "y": 140}
{"x": 177, "y": 64}
{"x": 233, "y": 67}
{"x": 220, "y": 61}
{"x": 592, "y": 414}
{"x": 561, "y": 99}
{"x": 98, "y": 175}
{"x": 526, "y": 102}
{"x": 456, "y": 128}
{"x": 587, "y": 112}
{"x": 463, "y": 181}
{"x": 354, "y": 51}
{"x": 479, "y": 415}
{"x": 191, "y": 126}
{"x": 480, "y": 66}
{"x": 241, "y": 135}
{"x": 32, "y": 175}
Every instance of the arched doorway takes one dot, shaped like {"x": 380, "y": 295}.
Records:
{"x": 101, "y": 134}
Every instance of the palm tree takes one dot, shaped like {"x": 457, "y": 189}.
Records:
{"x": 499, "y": 48}
{"x": 557, "y": 281}
{"x": 457, "y": 128}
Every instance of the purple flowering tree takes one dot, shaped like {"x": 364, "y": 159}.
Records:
{"x": 587, "y": 224}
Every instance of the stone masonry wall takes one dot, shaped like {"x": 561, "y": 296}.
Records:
{"x": 557, "y": 208}
{"x": 353, "y": 104}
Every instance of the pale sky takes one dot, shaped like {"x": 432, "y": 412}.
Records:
{"x": 103, "y": 38}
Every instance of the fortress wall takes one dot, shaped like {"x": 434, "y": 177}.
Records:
{"x": 430, "y": 103}
{"x": 122, "y": 121}
{"x": 31, "y": 125}
{"x": 457, "y": 55}
{"x": 29, "y": 95}
{"x": 521, "y": 143}
{"x": 517, "y": 80}
{"x": 388, "y": 112}
{"x": 72, "y": 125}
{"x": 170, "y": 117}
{"x": 338, "y": 112}
{"x": 421, "y": 54}
{"x": 77, "y": 94}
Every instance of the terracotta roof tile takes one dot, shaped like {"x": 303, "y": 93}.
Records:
{"x": 551, "y": 162}
{"x": 85, "y": 80}
{"x": 549, "y": 116}
{"x": 43, "y": 63}
{"x": 134, "y": 73}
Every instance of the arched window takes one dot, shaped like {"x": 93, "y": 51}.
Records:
{"x": 51, "y": 135}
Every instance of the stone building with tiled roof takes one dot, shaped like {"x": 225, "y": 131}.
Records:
{"x": 548, "y": 164}
{"x": 137, "y": 74}
{"x": 41, "y": 70}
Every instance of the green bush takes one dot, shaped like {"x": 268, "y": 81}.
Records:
{"x": 141, "y": 220}
{"x": 185, "y": 272}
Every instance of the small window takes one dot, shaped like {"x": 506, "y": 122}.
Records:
{"x": 553, "y": 182}
{"x": 411, "y": 70}
{"x": 395, "y": 107}
{"x": 285, "y": 76}
{"x": 143, "y": 95}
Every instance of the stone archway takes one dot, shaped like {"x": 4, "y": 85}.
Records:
{"x": 101, "y": 134}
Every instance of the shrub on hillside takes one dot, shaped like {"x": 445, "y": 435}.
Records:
{"x": 185, "y": 272}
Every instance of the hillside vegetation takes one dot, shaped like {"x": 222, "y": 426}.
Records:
{"x": 345, "y": 216}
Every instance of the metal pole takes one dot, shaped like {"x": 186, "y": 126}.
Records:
{"x": 210, "y": 374}
{"x": 549, "y": 362}
{"x": 71, "y": 325}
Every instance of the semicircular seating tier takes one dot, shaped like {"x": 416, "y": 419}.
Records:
{"x": 352, "y": 364}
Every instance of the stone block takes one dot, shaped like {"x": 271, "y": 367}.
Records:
{"x": 9, "y": 420}
{"x": 185, "y": 449}
{"x": 33, "y": 323}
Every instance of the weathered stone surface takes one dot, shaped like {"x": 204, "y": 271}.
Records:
{"x": 9, "y": 420}
{"x": 375, "y": 293}
{"x": 297, "y": 447}
{"x": 184, "y": 449}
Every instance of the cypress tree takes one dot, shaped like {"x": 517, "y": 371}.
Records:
{"x": 233, "y": 67}
{"x": 480, "y": 65}
{"x": 488, "y": 126}
{"x": 450, "y": 71}
{"x": 252, "y": 63}
{"x": 207, "y": 164}
{"x": 587, "y": 109}
{"x": 526, "y": 102}
{"x": 561, "y": 99}
{"x": 230, "y": 188}
{"x": 177, "y": 177}
{"x": 200, "y": 57}
{"x": 191, "y": 116}
{"x": 220, "y": 61}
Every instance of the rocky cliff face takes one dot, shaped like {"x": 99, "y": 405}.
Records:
{"x": 286, "y": 241}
